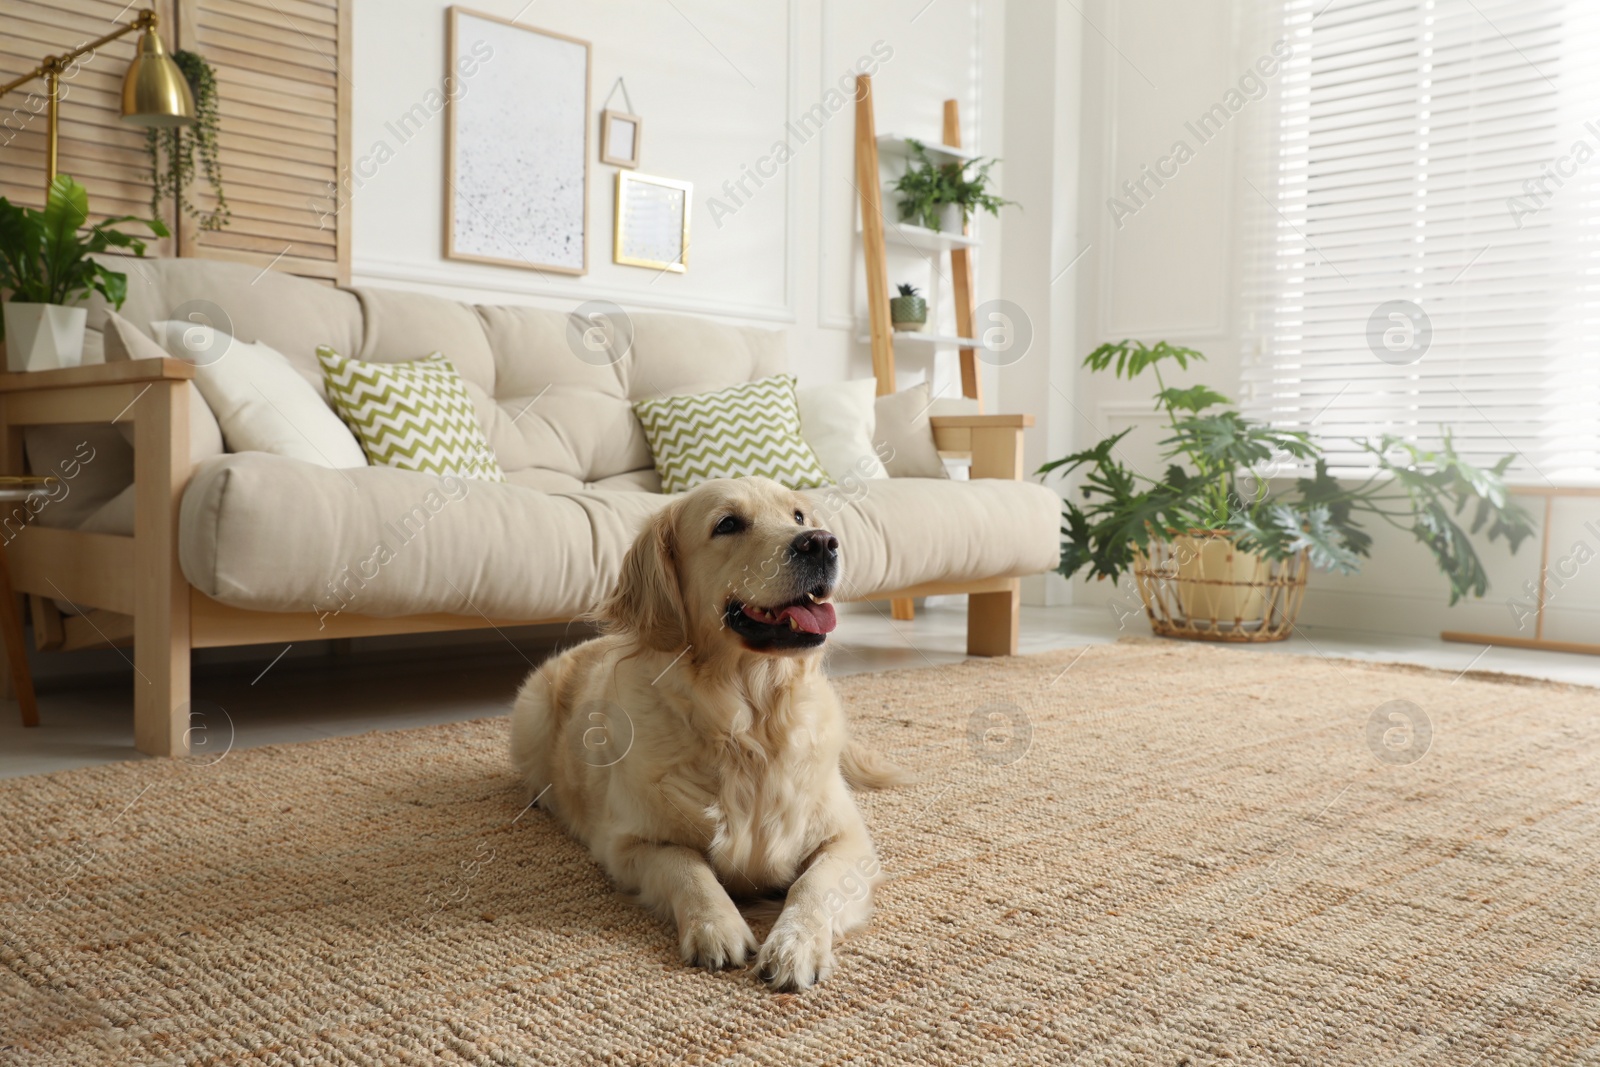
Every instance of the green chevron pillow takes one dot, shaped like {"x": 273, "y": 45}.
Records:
{"x": 746, "y": 431}
{"x": 416, "y": 416}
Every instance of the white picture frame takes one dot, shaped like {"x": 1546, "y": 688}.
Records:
{"x": 652, "y": 222}
{"x": 519, "y": 122}
{"x": 619, "y": 138}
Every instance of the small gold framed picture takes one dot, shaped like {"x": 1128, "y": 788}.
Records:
{"x": 652, "y": 223}
{"x": 619, "y": 138}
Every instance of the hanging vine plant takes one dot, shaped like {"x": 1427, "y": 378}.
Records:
{"x": 174, "y": 150}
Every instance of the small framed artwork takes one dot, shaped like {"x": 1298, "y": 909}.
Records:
{"x": 516, "y": 146}
{"x": 619, "y": 138}
{"x": 652, "y": 222}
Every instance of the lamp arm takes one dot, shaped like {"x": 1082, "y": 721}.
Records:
{"x": 56, "y": 64}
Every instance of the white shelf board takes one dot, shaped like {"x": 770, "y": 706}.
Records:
{"x": 924, "y": 338}
{"x": 895, "y": 145}
{"x": 903, "y": 233}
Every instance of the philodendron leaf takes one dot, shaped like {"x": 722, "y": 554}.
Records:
{"x": 1452, "y": 551}
{"x": 1099, "y": 454}
{"x": 21, "y": 244}
{"x": 1132, "y": 357}
{"x": 1196, "y": 398}
{"x": 113, "y": 285}
{"x": 1324, "y": 541}
{"x": 66, "y": 208}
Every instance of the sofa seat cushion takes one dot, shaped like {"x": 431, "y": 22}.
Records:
{"x": 268, "y": 533}
{"x": 901, "y": 532}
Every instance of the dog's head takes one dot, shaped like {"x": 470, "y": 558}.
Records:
{"x": 733, "y": 561}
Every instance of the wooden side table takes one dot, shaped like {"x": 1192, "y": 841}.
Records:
{"x": 17, "y": 489}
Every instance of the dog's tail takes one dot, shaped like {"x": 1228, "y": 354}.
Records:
{"x": 865, "y": 769}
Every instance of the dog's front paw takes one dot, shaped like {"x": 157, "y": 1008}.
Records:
{"x": 716, "y": 938}
{"x": 796, "y": 956}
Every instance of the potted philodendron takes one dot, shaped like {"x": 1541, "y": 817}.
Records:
{"x": 908, "y": 311}
{"x": 1218, "y": 550}
{"x": 943, "y": 196}
{"x": 45, "y": 268}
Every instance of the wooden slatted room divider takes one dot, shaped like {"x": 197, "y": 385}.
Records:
{"x": 282, "y": 70}
{"x": 283, "y": 82}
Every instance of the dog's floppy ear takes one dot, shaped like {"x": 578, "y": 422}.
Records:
{"x": 647, "y": 600}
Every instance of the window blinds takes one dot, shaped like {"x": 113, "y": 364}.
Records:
{"x": 1425, "y": 254}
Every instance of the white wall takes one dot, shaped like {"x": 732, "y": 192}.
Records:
{"x": 1044, "y": 116}
{"x": 1170, "y": 271}
{"x": 716, "y": 83}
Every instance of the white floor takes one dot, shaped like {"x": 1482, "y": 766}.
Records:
{"x": 263, "y": 696}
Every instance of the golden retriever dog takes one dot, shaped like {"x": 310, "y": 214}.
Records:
{"x": 698, "y": 750}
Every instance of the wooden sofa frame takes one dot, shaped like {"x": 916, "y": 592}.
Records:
{"x": 132, "y": 586}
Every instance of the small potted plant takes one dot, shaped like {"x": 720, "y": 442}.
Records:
{"x": 1220, "y": 552}
{"x": 45, "y": 268}
{"x": 173, "y": 150}
{"x": 944, "y": 196}
{"x": 908, "y": 311}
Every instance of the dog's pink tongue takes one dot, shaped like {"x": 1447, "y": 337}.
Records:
{"x": 812, "y": 618}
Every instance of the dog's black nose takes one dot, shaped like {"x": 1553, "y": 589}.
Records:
{"x": 819, "y": 544}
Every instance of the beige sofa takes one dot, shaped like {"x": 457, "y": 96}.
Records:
{"x": 250, "y": 547}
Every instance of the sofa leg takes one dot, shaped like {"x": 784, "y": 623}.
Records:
{"x": 161, "y": 687}
{"x": 903, "y": 609}
{"x": 161, "y": 595}
{"x": 8, "y": 686}
{"x": 993, "y": 620}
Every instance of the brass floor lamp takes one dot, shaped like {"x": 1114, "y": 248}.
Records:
{"x": 154, "y": 91}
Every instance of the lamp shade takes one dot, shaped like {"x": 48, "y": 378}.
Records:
{"x": 155, "y": 92}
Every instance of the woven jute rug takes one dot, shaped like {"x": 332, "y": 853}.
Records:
{"x": 1148, "y": 853}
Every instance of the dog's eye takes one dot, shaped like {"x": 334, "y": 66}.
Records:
{"x": 799, "y": 518}
{"x": 730, "y": 524}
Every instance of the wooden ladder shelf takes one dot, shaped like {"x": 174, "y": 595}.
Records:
{"x": 869, "y": 184}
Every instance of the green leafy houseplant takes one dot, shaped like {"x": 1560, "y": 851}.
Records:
{"x": 173, "y": 149}
{"x": 1210, "y": 487}
{"x": 926, "y": 186}
{"x": 45, "y": 255}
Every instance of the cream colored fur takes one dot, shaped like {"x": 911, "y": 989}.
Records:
{"x": 696, "y": 770}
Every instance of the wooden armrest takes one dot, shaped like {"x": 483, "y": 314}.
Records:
{"x": 120, "y": 373}
{"x": 993, "y": 441}
{"x": 976, "y": 422}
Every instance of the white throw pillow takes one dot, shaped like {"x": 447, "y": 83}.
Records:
{"x": 905, "y": 435}
{"x": 261, "y": 402}
{"x": 123, "y": 341}
{"x": 837, "y": 422}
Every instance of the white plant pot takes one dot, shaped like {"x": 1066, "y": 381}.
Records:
{"x": 951, "y": 219}
{"x": 44, "y": 336}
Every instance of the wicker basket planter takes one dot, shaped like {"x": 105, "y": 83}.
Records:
{"x": 1200, "y": 586}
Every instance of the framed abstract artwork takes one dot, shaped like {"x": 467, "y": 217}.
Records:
{"x": 517, "y": 145}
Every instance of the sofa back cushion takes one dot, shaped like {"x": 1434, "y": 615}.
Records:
{"x": 555, "y": 421}
{"x": 290, "y": 314}
{"x": 565, "y": 418}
